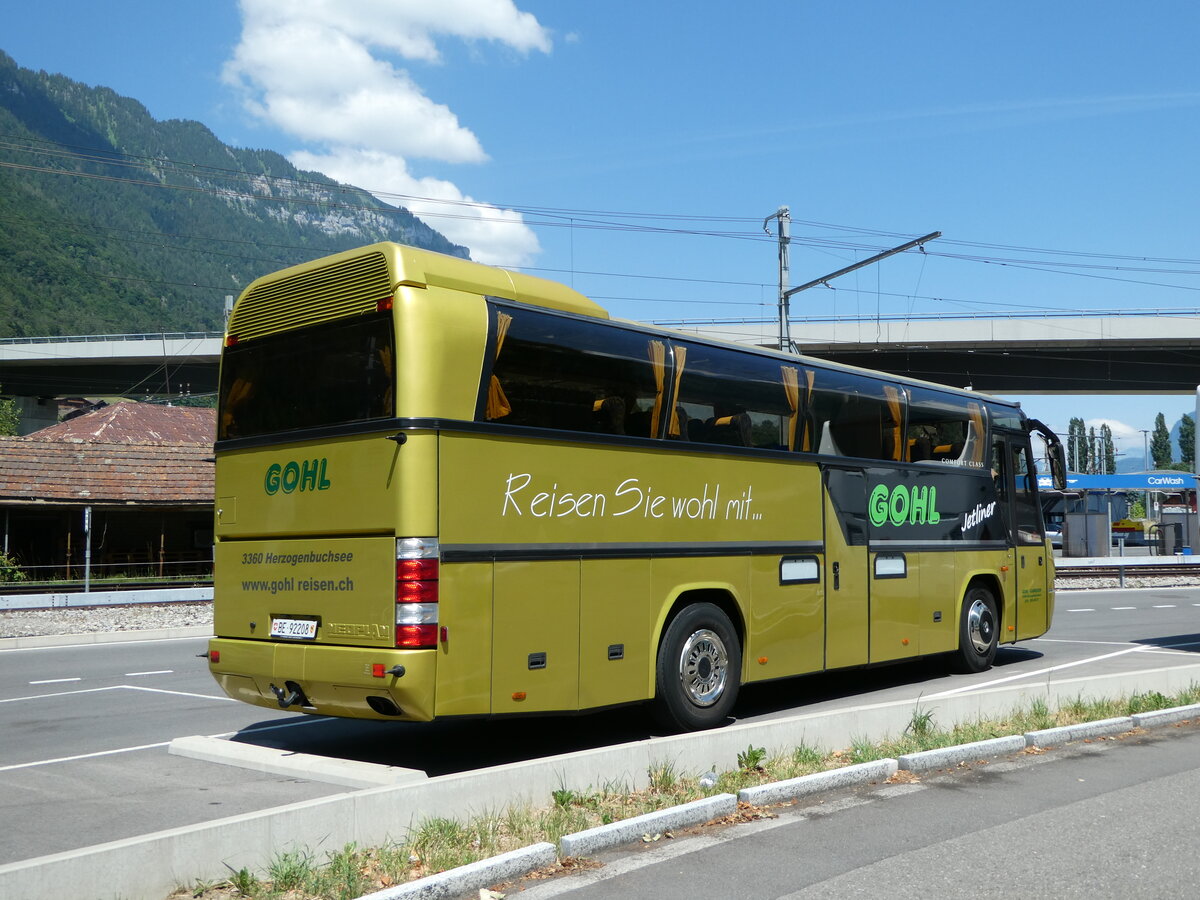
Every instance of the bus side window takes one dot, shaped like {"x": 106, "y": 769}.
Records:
{"x": 557, "y": 372}
{"x": 945, "y": 428}
{"x": 738, "y": 399}
{"x": 857, "y": 416}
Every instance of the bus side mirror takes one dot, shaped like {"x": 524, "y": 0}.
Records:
{"x": 1056, "y": 454}
{"x": 1057, "y": 458}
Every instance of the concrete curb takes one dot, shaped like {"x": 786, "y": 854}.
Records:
{"x": 952, "y": 756}
{"x": 782, "y": 791}
{"x": 151, "y": 866}
{"x": 293, "y": 765}
{"x": 1166, "y": 716}
{"x": 1053, "y": 737}
{"x": 472, "y": 877}
{"x": 585, "y": 843}
{"x": 104, "y": 637}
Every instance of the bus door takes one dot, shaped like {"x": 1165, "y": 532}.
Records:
{"x": 847, "y": 590}
{"x": 1030, "y": 567}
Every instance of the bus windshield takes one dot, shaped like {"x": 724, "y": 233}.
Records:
{"x": 330, "y": 374}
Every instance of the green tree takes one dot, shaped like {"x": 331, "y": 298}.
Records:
{"x": 1160, "y": 443}
{"x": 1093, "y": 457}
{"x": 1187, "y": 441}
{"x": 10, "y": 416}
{"x": 1076, "y": 449}
{"x": 1110, "y": 450}
{"x": 10, "y": 571}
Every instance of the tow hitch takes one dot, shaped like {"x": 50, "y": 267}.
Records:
{"x": 291, "y": 694}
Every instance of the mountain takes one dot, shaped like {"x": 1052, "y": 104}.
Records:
{"x": 112, "y": 221}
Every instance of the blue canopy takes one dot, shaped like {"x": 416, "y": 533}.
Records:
{"x": 1134, "y": 481}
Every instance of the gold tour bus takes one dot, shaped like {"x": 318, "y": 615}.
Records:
{"x": 445, "y": 489}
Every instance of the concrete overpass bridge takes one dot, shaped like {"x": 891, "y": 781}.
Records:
{"x": 1144, "y": 351}
{"x": 110, "y": 364}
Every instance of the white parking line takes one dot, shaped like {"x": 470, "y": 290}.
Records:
{"x": 138, "y": 687}
{"x": 1035, "y": 672}
{"x": 1164, "y": 605}
{"x": 59, "y": 694}
{"x": 55, "y": 680}
{"x": 114, "y": 687}
{"x": 1081, "y": 610}
{"x": 46, "y": 762}
{"x": 156, "y": 672}
{"x": 1124, "y": 607}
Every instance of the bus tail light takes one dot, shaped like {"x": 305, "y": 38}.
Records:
{"x": 416, "y": 593}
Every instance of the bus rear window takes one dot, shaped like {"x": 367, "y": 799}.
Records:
{"x": 329, "y": 374}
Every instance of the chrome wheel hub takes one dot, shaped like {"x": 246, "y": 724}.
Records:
{"x": 981, "y": 626}
{"x": 704, "y": 667}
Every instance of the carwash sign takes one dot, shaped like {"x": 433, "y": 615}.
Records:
{"x": 1136, "y": 481}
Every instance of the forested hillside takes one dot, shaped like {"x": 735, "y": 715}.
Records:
{"x": 112, "y": 221}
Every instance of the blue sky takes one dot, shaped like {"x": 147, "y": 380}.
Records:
{"x": 633, "y": 148}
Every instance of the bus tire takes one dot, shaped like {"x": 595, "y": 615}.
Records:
{"x": 978, "y": 631}
{"x": 699, "y": 669}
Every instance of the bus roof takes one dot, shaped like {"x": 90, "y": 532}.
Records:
{"x": 410, "y": 266}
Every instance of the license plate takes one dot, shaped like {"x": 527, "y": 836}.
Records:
{"x": 294, "y": 629}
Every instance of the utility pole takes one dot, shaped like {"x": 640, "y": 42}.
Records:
{"x": 784, "y": 218}
{"x": 786, "y": 295}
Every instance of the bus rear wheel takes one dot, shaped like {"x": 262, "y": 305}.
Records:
{"x": 978, "y": 631}
{"x": 699, "y": 668}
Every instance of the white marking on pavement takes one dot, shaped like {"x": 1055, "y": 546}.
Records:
{"x": 1031, "y": 674}
{"x": 1081, "y": 610}
{"x": 156, "y": 672}
{"x": 115, "y": 687}
{"x": 1124, "y": 607}
{"x": 46, "y": 762}
{"x": 138, "y": 687}
{"x": 55, "y": 680}
{"x": 60, "y": 694}
{"x": 1164, "y": 605}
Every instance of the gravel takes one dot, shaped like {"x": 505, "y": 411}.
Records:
{"x": 1091, "y": 583}
{"x": 139, "y": 617}
{"x": 135, "y": 617}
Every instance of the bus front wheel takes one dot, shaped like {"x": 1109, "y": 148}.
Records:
{"x": 978, "y": 631}
{"x": 699, "y": 669}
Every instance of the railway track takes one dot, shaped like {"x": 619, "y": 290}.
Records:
{"x": 1114, "y": 570}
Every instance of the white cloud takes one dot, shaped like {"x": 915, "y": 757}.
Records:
{"x": 1126, "y": 438}
{"x": 495, "y": 236}
{"x": 318, "y": 70}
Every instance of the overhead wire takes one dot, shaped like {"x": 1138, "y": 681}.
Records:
{"x": 572, "y": 218}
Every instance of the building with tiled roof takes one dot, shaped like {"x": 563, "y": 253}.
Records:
{"x": 141, "y": 474}
{"x": 136, "y": 423}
